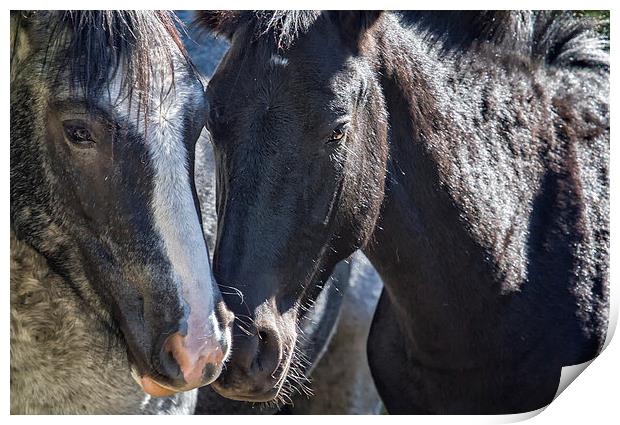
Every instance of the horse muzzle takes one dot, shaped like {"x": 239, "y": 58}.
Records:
{"x": 191, "y": 357}
{"x": 257, "y": 368}
{"x": 183, "y": 364}
{"x": 183, "y": 367}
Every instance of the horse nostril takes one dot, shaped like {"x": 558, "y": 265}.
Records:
{"x": 183, "y": 359}
{"x": 263, "y": 339}
{"x": 167, "y": 364}
{"x": 267, "y": 356}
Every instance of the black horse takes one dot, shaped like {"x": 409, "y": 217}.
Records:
{"x": 333, "y": 376}
{"x": 467, "y": 157}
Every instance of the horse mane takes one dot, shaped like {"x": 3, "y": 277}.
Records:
{"x": 556, "y": 38}
{"x": 93, "y": 45}
{"x": 460, "y": 30}
{"x": 562, "y": 39}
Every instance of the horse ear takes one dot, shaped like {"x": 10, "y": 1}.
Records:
{"x": 354, "y": 23}
{"x": 21, "y": 37}
{"x": 222, "y": 23}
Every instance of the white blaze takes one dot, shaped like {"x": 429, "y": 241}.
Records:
{"x": 175, "y": 215}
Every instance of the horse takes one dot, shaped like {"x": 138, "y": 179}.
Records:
{"x": 113, "y": 305}
{"x": 334, "y": 376}
{"x": 469, "y": 162}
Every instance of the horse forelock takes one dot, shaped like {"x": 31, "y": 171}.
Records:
{"x": 99, "y": 48}
{"x": 283, "y": 26}
{"x": 278, "y": 28}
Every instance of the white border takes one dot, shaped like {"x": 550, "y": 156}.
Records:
{"x": 593, "y": 398}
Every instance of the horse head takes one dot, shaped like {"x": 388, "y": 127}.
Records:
{"x": 105, "y": 112}
{"x": 299, "y": 138}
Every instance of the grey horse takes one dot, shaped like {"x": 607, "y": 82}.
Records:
{"x": 105, "y": 111}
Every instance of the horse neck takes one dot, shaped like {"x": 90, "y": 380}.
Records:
{"x": 438, "y": 222}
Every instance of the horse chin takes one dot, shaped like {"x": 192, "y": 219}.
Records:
{"x": 263, "y": 397}
{"x": 254, "y": 397}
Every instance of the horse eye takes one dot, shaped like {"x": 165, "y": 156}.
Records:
{"x": 338, "y": 133}
{"x": 78, "y": 134}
